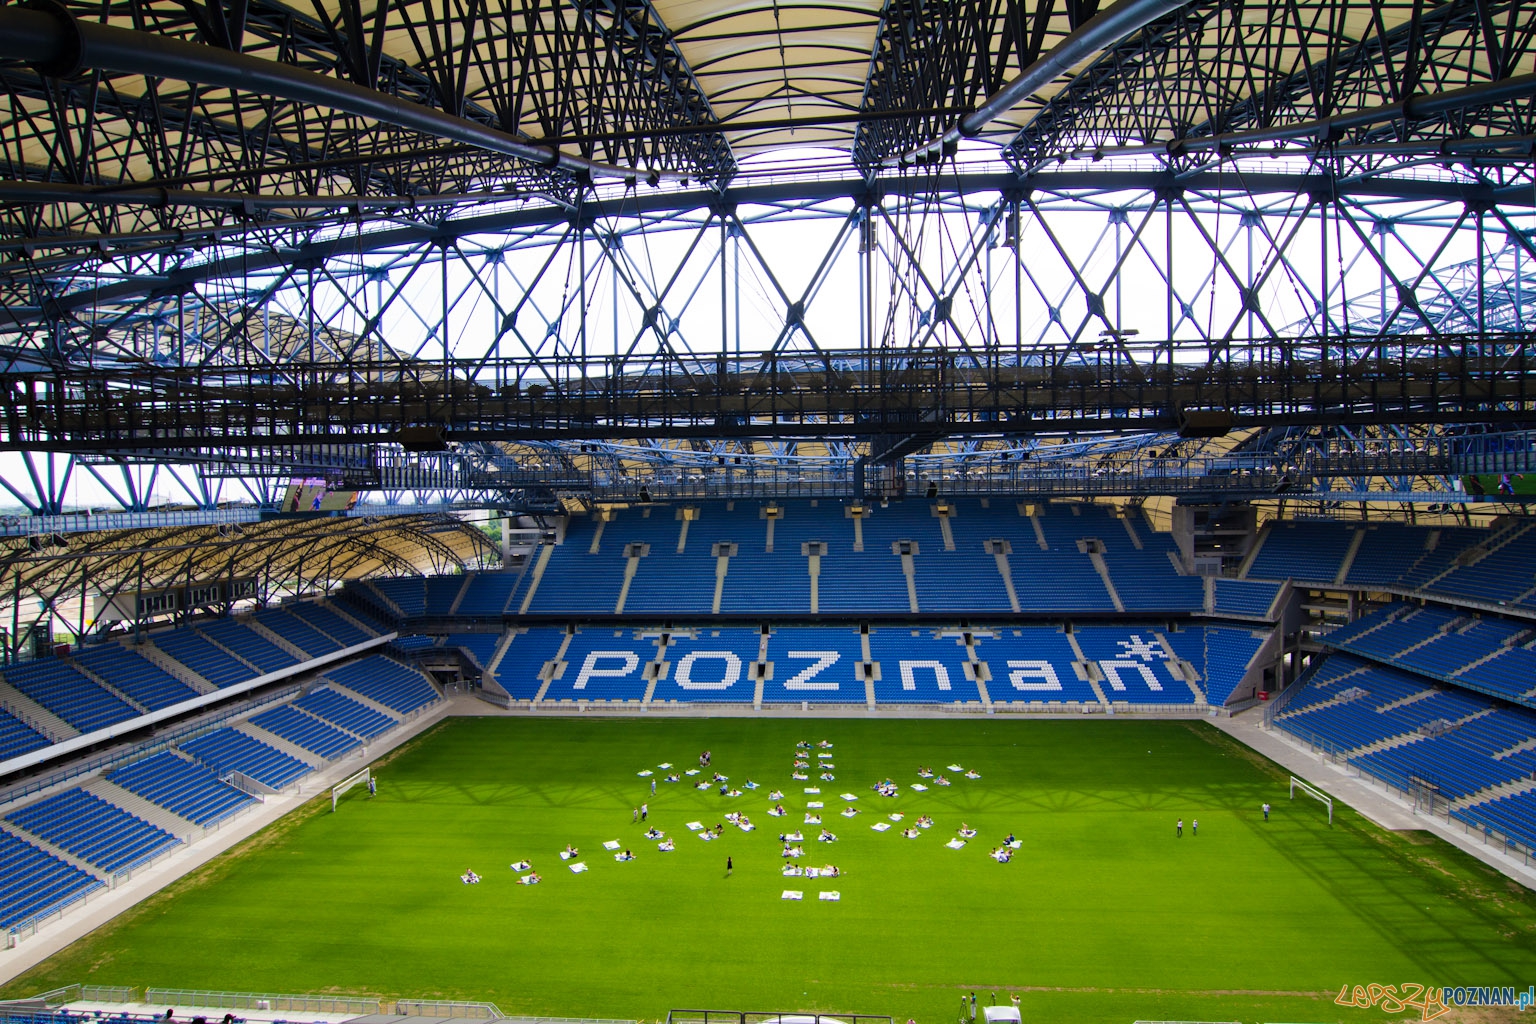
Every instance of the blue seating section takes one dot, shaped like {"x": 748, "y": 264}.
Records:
{"x": 247, "y": 644}
{"x": 1302, "y": 550}
{"x": 17, "y": 737}
{"x": 1481, "y": 653}
{"x": 297, "y": 632}
{"x": 1362, "y": 722}
{"x": 353, "y": 716}
{"x": 408, "y": 642}
{"x": 97, "y": 832}
{"x": 604, "y": 664}
{"x": 34, "y": 882}
{"x": 921, "y": 669}
{"x": 714, "y": 666}
{"x": 385, "y": 682}
{"x": 488, "y": 593}
{"x": 408, "y": 593}
{"x": 202, "y": 656}
{"x": 1135, "y": 665}
{"x": 1245, "y": 597}
{"x": 227, "y": 750}
{"x": 305, "y": 731}
{"x": 364, "y": 614}
{"x": 1228, "y": 652}
{"x": 328, "y": 621}
{"x": 135, "y": 675}
{"x": 1515, "y": 816}
{"x": 518, "y": 672}
{"x": 1033, "y": 666}
{"x": 1387, "y": 552}
{"x": 190, "y": 790}
{"x": 481, "y": 647}
{"x": 1145, "y": 578}
{"x": 1462, "y": 761}
{"x": 815, "y": 665}
{"x": 1506, "y": 574}
{"x": 62, "y": 689}
{"x": 440, "y": 593}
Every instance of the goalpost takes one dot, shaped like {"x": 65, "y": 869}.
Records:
{"x": 1314, "y": 793}
{"x": 346, "y": 784}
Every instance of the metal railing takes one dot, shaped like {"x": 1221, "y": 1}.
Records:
{"x": 214, "y": 1000}
{"x": 448, "y": 1008}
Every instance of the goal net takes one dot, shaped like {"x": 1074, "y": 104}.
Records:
{"x": 1314, "y": 793}
{"x": 361, "y": 778}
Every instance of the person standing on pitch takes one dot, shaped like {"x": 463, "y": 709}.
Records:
{"x": 1179, "y": 828}
{"x": 1194, "y": 826}
{"x": 653, "y": 787}
{"x": 373, "y": 787}
{"x": 644, "y": 810}
{"x": 1266, "y": 810}
{"x": 727, "y": 866}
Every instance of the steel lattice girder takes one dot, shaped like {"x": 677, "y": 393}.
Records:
{"x": 1254, "y": 72}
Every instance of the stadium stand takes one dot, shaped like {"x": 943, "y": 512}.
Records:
{"x": 440, "y": 594}
{"x": 917, "y": 667}
{"x": 307, "y": 731}
{"x": 524, "y": 658}
{"x": 131, "y": 673}
{"x": 181, "y": 787}
{"x": 1033, "y": 666}
{"x": 1251, "y": 598}
{"x": 407, "y": 593}
{"x": 1513, "y": 815}
{"x": 603, "y": 664}
{"x": 204, "y": 657}
{"x": 1228, "y": 653}
{"x": 230, "y": 750}
{"x": 99, "y": 833}
{"x": 1136, "y": 667}
{"x": 59, "y": 687}
{"x": 713, "y": 666}
{"x": 246, "y": 644}
{"x": 297, "y": 632}
{"x": 1376, "y": 704}
{"x": 345, "y": 713}
{"x": 487, "y": 593}
{"x": 1302, "y": 550}
{"x": 385, "y": 682}
{"x": 330, "y": 622}
{"x": 480, "y": 647}
{"x": 816, "y": 665}
{"x": 17, "y": 737}
{"x": 36, "y": 882}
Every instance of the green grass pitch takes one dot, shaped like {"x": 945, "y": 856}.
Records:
{"x": 1103, "y": 915}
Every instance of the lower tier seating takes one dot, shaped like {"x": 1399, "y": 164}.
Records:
{"x": 34, "y": 882}
{"x": 190, "y": 790}
{"x": 94, "y": 830}
{"x": 227, "y": 750}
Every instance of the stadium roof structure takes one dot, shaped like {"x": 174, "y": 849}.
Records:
{"x": 540, "y": 254}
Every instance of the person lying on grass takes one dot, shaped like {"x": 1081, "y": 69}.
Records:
{"x": 826, "y": 837}
{"x": 469, "y": 877}
{"x": 654, "y": 833}
{"x": 966, "y": 832}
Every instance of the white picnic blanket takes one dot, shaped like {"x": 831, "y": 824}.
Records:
{"x": 849, "y": 796}
{"x": 919, "y": 787}
{"x": 814, "y": 804}
{"x": 793, "y": 894}
{"x": 578, "y": 867}
{"x": 880, "y": 826}
{"x": 612, "y": 844}
{"x": 813, "y": 790}
{"x": 830, "y": 896}
{"x": 694, "y": 826}
{"x": 645, "y": 773}
{"x": 955, "y": 844}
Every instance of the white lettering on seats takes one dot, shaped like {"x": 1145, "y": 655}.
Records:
{"x": 940, "y": 674}
{"x": 684, "y": 676}
{"x": 1041, "y": 670}
{"x": 802, "y": 679}
{"x": 589, "y": 669}
{"x": 1112, "y": 671}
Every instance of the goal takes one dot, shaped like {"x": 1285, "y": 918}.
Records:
{"x": 1314, "y": 793}
{"x": 341, "y": 787}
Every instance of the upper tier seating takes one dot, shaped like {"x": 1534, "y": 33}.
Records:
{"x": 481, "y": 647}
{"x": 385, "y": 682}
{"x": 182, "y": 787}
{"x": 133, "y": 674}
{"x": 62, "y": 689}
{"x": 247, "y": 644}
{"x": 440, "y": 594}
{"x": 204, "y": 657}
{"x": 17, "y": 737}
{"x": 408, "y": 593}
{"x": 1245, "y": 597}
{"x": 330, "y": 622}
{"x": 97, "y": 832}
{"x": 488, "y": 593}
{"x": 33, "y": 882}
{"x": 230, "y": 750}
{"x": 297, "y": 632}
{"x": 1302, "y": 550}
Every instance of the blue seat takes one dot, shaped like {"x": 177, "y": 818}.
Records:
{"x": 180, "y": 786}
{"x": 94, "y": 830}
{"x": 227, "y": 750}
{"x": 307, "y": 731}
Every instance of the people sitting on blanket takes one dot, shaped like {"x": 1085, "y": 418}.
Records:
{"x": 1010, "y": 840}
{"x": 792, "y": 871}
{"x": 707, "y": 834}
{"x": 778, "y": 811}
{"x": 716, "y": 777}
{"x": 626, "y": 855}
{"x": 469, "y": 877}
{"x": 1002, "y": 855}
{"x": 925, "y": 773}
{"x": 532, "y": 878}
{"x": 793, "y": 851}
{"x": 733, "y": 792}
{"x": 973, "y": 774}
{"x": 825, "y": 745}
{"x": 570, "y": 851}
{"x": 886, "y": 788}
{"x": 966, "y": 832}
{"x": 666, "y": 846}
{"x": 749, "y": 784}
{"x": 910, "y": 833}
{"x": 827, "y": 777}
{"x": 799, "y": 776}
{"x": 925, "y": 822}
{"x": 826, "y": 837}
{"x": 803, "y": 745}
{"x": 831, "y": 871}
{"x": 654, "y": 833}
{"x": 744, "y": 823}
{"x": 941, "y": 781}
{"x": 777, "y": 794}
{"x": 732, "y": 817}
{"x": 813, "y": 819}
{"x": 674, "y": 777}
{"x": 724, "y": 786}
{"x": 704, "y": 759}
{"x": 521, "y": 865}
{"x": 802, "y": 764}
{"x": 849, "y": 812}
